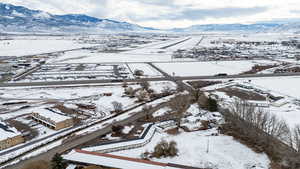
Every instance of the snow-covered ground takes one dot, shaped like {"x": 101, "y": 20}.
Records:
{"x": 153, "y": 52}
{"x": 223, "y": 151}
{"x": 285, "y": 85}
{"x": 147, "y": 69}
{"x": 288, "y": 87}
{"x": 31, "y": 47}
{"x": 208, "y": 68}
{"x": 87, "y": 95}
{"x": 84, "y": 94}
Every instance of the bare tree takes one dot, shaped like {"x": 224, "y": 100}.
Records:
{"x": 195, "y": 95}
{"x": 180, "y": 87}
{"x": 117, "y": 106}
{"x": 147, "y": 109}
{"x": 296, "y": 136}
{"x": 179, "y": 105}
{"x": 261, "y": 129}
{"x": 145, "y": 85}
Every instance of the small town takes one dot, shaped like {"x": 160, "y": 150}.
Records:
{"x": 197, "y": 88}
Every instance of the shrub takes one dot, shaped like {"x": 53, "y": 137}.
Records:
{"x": 138, "y": 72}
{"x": 117, "y": 129}
{"x": 165, "y": 149}
{"x": 146, "y": 155}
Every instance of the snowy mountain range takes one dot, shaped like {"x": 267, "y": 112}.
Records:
{"x": 21, "y": 19}
{"x": 264, "y": 27}
{"x": 228, "y": 27}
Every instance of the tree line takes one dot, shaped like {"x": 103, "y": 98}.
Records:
{"x": 264, "y": 132}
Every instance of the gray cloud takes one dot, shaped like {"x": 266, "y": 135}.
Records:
{"x": 295, "y": 11}
{"x": 168, "y": 3}
{"x": 160, "y": 13}
{"x": 197, "y": 14}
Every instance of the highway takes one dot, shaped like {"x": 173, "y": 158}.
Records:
{"x": 165, "y": 78}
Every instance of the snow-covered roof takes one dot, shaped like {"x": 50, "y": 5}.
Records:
{"x": 53, "y": 115}
{"x": 280, "y": 102}
{"x": 109, "y": 160}
{"x": 7, "y": 131}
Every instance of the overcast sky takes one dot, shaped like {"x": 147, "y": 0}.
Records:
{"x": 172, "y": 13}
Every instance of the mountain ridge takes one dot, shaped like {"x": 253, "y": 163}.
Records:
{"x": 21, "y": 19}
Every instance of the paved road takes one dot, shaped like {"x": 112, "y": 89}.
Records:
{"x": 75, "y": 82}
{"x": 172, "y": 78}
{"x": 26, "y": 73}
{"x": 166, "y": 78}
{"x": 47, "y": 156}
{"x": 176, "y": 43}
{"x": 238, "y": 76}
{"x": 47, "y": 53}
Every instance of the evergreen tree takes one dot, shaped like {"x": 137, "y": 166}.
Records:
{"x": 212, "y": 105}
{"x": 57, "y": 162}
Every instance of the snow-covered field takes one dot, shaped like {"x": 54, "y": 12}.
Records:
{"x": 147, "y": 69}
{"x": 224, "y": 152}
{"x": 208, "y": 68}
{"x": 84, "y": 94}
{"x": 83, "y": 56}
{"x": 31, "y": 47}
{"x": 285, "y": 85}
{"x": 153, "y": 52}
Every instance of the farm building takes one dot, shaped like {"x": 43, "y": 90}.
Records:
{"x": 52, "y": 118}
{"x": 9, "y": 136}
